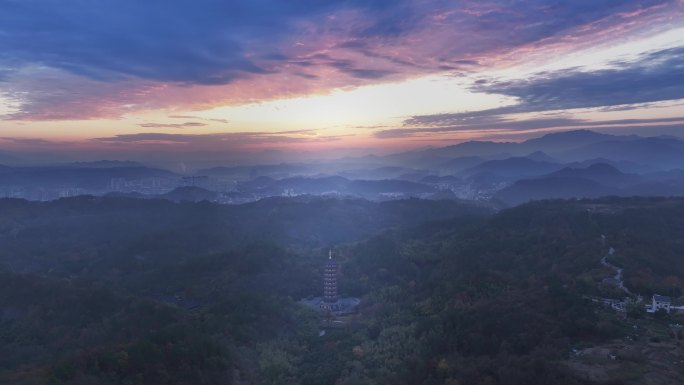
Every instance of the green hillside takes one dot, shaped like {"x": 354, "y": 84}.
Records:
{"x": 116, "y": 291}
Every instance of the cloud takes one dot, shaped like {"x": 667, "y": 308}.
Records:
{"x": 484, "y": 124}
{"x": 201, "y": 42}
{"x": 109, "y": 40}
{"x": 172, "y": 125}
{"x": 654, "y": 77}
{"x": 124, "y": 55}
{"x": 165, "y": 146}
{"x": 218, "y": 141}
{"x": 198, "y": 118}
{"x": 348, "y": 67}
{"x": 49, "y": 94}
{"x": 27, "y": 141}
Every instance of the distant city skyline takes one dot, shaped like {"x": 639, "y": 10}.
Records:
{"x": 179, "y": 81}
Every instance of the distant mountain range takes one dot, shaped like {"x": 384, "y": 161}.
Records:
{"x": 513, "y": 168}
{"x": 105, "y": 164}
{"x": 594, "y": 181}
{"x": 569, "y": 146}
{"x": 568, "y": 164}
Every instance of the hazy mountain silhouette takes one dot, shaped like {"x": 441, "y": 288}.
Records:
{"x": 190, "y": 194}
{"x": 434, "y": 179}
{"x": 105, "y": 164}
{"x": 541, "y": 156}
{"x": 568, "y": 146}
{"x": 567, "y": 140}
{"x": 624, "y": 164}
{"x": 459, "y": 164}
{"x": 658, "y": 152}
{"x": 516, "y": 167}
{"x": 600, "y": 172}
{"x": 596, "y": 180}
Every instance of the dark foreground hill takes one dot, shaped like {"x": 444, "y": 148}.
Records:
{"x": 124, "y": 291}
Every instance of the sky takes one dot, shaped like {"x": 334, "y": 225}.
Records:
{"x": 231, "y": 80}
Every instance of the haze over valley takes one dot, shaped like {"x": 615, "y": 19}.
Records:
{"x": 571, "y": 164}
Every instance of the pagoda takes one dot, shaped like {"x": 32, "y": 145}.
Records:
{"x": 330, "y": 280}
{"x": 330, "y": 301}
{"x": 331, "y": 304}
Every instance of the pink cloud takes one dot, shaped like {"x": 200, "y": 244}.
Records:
{"x": 345, "y": 48}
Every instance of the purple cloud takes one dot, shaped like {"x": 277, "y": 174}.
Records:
{"x": 217, "y": 141}
{"x": 116, "y": 51}
{"x": 172, "y": 125}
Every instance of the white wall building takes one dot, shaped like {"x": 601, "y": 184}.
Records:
{"x": 660, "y": 302}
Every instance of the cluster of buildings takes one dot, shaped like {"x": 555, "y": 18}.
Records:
{"x": 148, "y": 185}
{"x": 658, "y": 302}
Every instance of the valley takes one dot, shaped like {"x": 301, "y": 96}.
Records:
{"x": 459, "y": 293}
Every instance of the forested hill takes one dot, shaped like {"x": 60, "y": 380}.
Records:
{"x": 93, "y": 232}
{"x": 156, "y": 292}
{"x": 112, "y": 290}
{"x": 503, "y": 302}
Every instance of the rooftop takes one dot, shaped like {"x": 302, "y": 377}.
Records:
{"x": 661, "y": 298}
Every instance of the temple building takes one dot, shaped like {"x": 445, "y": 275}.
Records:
{"x": 331, "y": 302}
{"x": 330, "y": 280}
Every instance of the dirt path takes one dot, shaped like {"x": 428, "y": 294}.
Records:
{"x": 618, "y": 271}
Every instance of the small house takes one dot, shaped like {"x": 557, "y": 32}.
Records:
{"x": 661, "y": 302}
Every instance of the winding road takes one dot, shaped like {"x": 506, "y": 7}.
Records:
{"x": 618, "y": 271}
